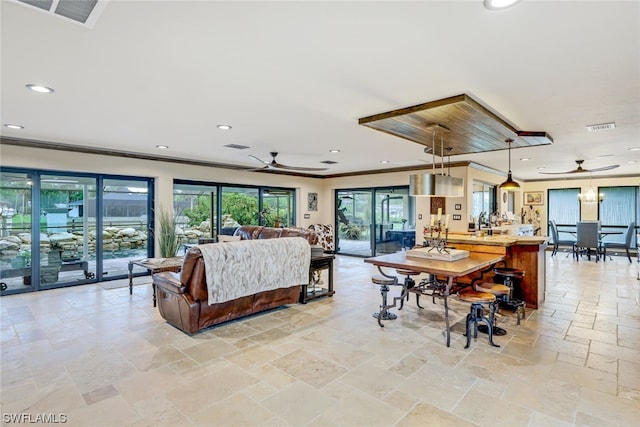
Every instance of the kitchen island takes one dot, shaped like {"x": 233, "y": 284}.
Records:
{"x": 526, "y": 253}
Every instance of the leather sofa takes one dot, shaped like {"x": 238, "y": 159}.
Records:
{"x": 253, "y": 232}
{"x": 183, "y": 296}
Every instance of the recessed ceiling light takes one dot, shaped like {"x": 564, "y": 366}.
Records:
{"x": 634, "y": 149}
{"x": 524, "y": 159}
{"x": 10, "y": 126}
{"x": 39, "y": 88}
{"x": 499, "y": 4}
{"x": 384, "y": 161}
{"x": 605, "y": 155}
{"x": 632, "y": 161}
{"x": 162, "y": 147}
{"x": 224, "y": 127}
{"x": 334, "y": 151}
{"x": 541, "y": 168}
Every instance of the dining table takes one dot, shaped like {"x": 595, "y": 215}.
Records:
{"x": 476, "y": 261}
{"x": 601, "y": 233}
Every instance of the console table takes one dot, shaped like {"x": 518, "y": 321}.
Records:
{"x": 311, "y": 291}
{"x": 155, "y": 265}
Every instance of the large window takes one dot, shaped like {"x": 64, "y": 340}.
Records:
{"x": 618, "y": 208}
{"x": 63, "y": 229}
{"x": 374, "y": 221}
{"x": 208, "y": 209}
{"x": 564, "y": 208}
{"x": 484, "y": 200}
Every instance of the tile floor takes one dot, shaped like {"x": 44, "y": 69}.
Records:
{"x": 103, "y": 358}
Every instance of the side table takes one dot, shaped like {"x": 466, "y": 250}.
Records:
{"x": 154, "y": 265}
{"x": 311, "y": 291}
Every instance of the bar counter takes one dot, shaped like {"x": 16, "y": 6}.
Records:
{"x": 522, "y": 252}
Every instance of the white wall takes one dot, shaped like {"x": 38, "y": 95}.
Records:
{"x": 165, "y": 172}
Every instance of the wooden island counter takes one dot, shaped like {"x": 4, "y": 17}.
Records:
{"x": 522, "y": 252}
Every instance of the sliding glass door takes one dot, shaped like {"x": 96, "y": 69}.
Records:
{"x": 208, "y": 209}
{"x": 125, "y": 228}
{"x": 16, "y": 223}
{"x": 62, "y": 229}
{"x": 67, "y": 229}
{"x": 374, "y": 221}
{"x": 394, "y": 220}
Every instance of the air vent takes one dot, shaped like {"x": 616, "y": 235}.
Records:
{"x": 237, "y": 146}
{"x": 328, "y": 162}
{"x": 81, "y": 11}
{"x": 601, "y": 127}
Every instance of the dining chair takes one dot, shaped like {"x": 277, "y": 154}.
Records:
{"x": 617, "y": 245}
{"x": 556, "y": 240}
{"x": 587, "y": 237}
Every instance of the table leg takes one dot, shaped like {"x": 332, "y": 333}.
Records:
{"x": 131, "y": 278}
{"x": 446, "y": 309}
{"x": 153, "y": 285}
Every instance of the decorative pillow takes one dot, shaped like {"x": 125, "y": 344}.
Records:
{"x": 224, "y": 238}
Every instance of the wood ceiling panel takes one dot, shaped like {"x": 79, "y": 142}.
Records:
{"x": 462, "y": 125}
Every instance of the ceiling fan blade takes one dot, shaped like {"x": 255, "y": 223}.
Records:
{"x": 260, "y": 160}
{"x": 605, "y": 168}
{"x": 562, "y": 173}
{"x": 580, "y": 169}
{"x": 293, "y": 168}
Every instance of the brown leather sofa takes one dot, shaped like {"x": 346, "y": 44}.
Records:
{"x": 183, "y": 300}
{"x": 253, "y": 232}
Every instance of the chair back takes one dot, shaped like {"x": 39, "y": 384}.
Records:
{"x": 554, "y": 231}
{"x": 629, "y": 236}
{"x": 587, "y": 235}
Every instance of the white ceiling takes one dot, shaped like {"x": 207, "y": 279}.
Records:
{"x": 294, "y": 77}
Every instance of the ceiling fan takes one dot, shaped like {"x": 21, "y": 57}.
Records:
{"x": 580, "y": 169}
{"x": 275, "y": 165}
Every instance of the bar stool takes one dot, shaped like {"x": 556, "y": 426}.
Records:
{"x": 384, "y": 282}
{"x": 499, "y": 291}
{"x": 408, "y": 281}
{"x": 476, "y": 313}
{"x": 509, "y": 274}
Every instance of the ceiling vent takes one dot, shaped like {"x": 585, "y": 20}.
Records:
{"x": 601, "y": 127}
{"x": 328, "y": 162}
{"x": 237, "y": 146}
{"x": 84, "y": 12}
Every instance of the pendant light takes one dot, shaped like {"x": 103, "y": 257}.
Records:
{"x": 509, "y": 184}
{"x": 590, "y": 195}
{"x": 433, "y": 184}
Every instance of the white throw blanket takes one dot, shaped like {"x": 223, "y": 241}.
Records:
{"x": 237, "y": 269}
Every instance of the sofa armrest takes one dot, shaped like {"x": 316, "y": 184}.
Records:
{"x": 175, "y": 304}
{"x": 170, "y": 281}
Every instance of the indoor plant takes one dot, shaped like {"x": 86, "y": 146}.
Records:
{"x": 167, "y": 237}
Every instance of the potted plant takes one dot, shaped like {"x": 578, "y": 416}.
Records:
{"x": 167, "y": 236}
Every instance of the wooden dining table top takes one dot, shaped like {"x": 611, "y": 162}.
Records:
{"x": 476, "y": 261}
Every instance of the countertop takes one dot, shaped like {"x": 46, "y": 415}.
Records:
{"x": 496, "y": 240}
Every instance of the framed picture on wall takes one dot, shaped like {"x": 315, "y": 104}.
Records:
{"x": 312, "y": 201}
{"x": 533, "y": 198}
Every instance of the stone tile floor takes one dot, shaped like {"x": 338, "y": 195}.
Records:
{"x": 101, "y": 357}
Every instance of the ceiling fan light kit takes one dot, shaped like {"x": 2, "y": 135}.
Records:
{"x": 509, "y": 184}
